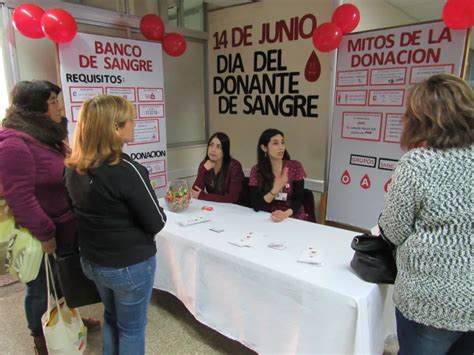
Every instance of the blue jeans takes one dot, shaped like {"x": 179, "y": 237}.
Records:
{"x": 126, "y": 294}
{"x": 420, "y": 339}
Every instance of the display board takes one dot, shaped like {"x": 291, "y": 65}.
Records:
{"x": 264, "y": 72}
{"x": 93, "y": 65}
{"x": 374, "y": 73}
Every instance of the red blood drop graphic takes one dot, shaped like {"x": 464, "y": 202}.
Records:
{"x": 365, "y": 182}
{"x": 312, "y": 71}
{"x": 385, "y": 187}
{"x": 346, "y": 178}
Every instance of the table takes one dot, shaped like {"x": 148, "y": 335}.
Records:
{"x": 263, "y": 297}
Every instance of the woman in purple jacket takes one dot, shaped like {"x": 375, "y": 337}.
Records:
{"x": 32, "y": 156}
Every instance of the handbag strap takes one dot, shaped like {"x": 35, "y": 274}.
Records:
{"x": 49, "y": 282}
{"x": 389, "y": 243}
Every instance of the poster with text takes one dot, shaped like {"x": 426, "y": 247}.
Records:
{"x": 264, "y": 72}
{"x": 254, "y": 72}
{"x": 98, "y": 65}
{"x": 374, "y": 73}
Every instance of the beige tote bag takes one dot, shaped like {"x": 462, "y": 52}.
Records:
{"x": 63, "y": 329}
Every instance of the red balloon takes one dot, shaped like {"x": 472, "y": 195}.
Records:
{"x": 59, "y": 25}
{"x": 174, "y": 44}
{"x": 152, "y": 27}
{"x": 458, "y": 14}
{"x": 462, "y": 2}
{"x": 471, "y": 11}
{"x": 347, "y": 17}
{"x": 327, "y": 37}
{"x": 27, "y": 20}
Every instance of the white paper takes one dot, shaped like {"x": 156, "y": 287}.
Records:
{"x": 193, "y": 220}
{"x": 311, "y": 255}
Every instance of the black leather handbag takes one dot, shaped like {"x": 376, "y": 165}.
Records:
{"x": 77, "y": 289}
{"x": 373, "y": 260}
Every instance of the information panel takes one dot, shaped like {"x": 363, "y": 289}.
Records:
{"x": 374, "y": 73}
{"x": 96, "y": 65}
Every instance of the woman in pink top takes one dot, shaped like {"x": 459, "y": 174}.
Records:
{"x": 220, "y": 177}
{"x": 277, "y": 182}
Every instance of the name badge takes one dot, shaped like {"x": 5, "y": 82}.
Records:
{"x": 281, "y": 196}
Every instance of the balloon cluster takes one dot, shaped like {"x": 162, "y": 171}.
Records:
{"x": 458, "y": 14}
{"x": 33, "y": 22}
{"x": 328, "y": 36}
{"x": 153, "y": 28}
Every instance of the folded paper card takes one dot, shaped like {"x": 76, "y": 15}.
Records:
{"x": 311, "y": 256}
{"x": 193, "y": 220}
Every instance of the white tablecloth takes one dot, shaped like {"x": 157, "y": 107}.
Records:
{"x": 263, "y": 297}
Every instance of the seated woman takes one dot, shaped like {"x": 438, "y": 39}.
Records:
{"x": 219, "y": 176}
{"x": 276, "y": 182}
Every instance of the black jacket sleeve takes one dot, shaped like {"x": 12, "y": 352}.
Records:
{"x": 142, "y": 201}
{"x": 256, "y": 199}
{"x": 297, "y": 197}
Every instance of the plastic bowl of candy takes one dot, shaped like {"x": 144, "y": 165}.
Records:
{"x": 178, "y": 196}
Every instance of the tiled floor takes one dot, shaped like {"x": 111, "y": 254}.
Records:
{"x": 171, "y": 328}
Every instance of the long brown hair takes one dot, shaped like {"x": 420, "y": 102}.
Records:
{"x": 95, "y": 138}
{"x": 439, "y": 114}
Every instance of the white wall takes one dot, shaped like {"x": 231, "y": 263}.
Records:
{"x": 4, "y": 101}
{"x": 183, "y": 162}
{"x": 379, "y": 14}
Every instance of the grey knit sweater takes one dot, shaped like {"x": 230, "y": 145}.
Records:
{"x": 429, "y": 215}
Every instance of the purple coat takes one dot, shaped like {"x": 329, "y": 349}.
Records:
{"x": 31, "y": 176}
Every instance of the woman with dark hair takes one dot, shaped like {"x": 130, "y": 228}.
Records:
{"x": 219, "y": 177}
{"x": 277, "y": 182}
{"x": 32, "y": 153}
{"x": 428, "y": 215}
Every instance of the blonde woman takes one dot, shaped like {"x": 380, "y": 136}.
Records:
{"x": 428, "y": 215}
{"x": 118, "y": 217}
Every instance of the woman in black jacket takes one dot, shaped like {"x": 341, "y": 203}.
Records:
{"x": 118, "y": 217}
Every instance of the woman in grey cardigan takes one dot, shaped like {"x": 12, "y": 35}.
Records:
{"x": 428, "y": 215}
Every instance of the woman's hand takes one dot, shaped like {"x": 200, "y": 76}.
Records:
{"x": 49, "y": 246}
{"x": 195, "y": 192}
{"x": 278, "y": 215}
{"x": 209, "y": 164}
{"x": 280, "y": 181}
